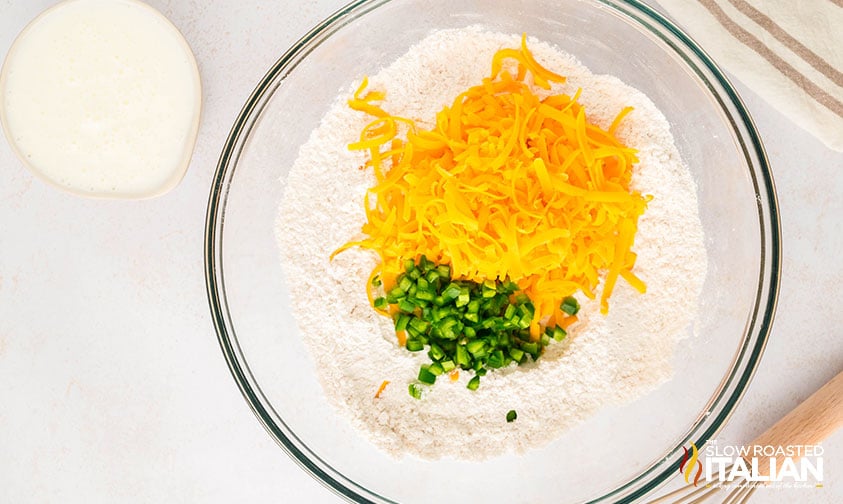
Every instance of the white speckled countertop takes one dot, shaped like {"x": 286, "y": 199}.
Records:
{"x": 112, "y": 385}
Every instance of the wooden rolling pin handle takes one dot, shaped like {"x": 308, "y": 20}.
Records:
{"x": 810, "y": 423}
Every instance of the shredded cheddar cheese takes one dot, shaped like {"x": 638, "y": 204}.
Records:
{"x": 506, "y": 185}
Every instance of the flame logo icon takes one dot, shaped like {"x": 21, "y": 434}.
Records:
{"x": 689, "y": 461}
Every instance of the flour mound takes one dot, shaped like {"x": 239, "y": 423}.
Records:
{"x": 610, "y": 359}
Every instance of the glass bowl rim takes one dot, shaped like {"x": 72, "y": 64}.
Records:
{"x": 745, "y": 362}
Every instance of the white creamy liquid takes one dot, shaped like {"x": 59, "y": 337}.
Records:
{"x": 102, "y": 98}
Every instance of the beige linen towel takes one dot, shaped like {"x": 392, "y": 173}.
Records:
{"x": 790, "y": 52}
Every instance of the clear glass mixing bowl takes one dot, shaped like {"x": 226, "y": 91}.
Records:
{"x": 623, "y": 452}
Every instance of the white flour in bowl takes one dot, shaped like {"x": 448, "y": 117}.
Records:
{"x": 609, "y": 359}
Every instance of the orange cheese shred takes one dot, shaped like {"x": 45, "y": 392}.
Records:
{"x": 402, "y": 337}
{"x": 511, "y": 182}
{"x": 381, "y": 388}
